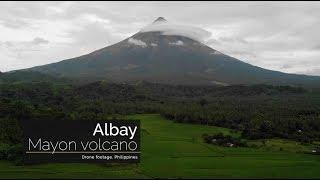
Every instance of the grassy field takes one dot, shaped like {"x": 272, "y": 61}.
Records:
{"x": 171, "y": 150}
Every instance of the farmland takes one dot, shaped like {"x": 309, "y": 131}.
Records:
{"x": 175, "y": 150}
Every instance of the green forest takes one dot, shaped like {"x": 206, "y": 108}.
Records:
{"x": 253, "y": 114}
{"x": 258, "y": 111}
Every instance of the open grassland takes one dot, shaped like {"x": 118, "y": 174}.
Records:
{"x": 173, "y": 150}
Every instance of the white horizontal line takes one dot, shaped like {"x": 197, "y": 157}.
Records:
{"x": 80, "y": 152}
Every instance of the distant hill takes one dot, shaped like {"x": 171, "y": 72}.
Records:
{"x": 29, "y": 77}
{"x": 174, "y": 58}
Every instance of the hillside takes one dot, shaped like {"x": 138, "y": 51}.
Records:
{"x": 155, "y": 56}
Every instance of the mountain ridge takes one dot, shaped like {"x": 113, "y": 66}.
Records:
{"x": 168, "y": 58}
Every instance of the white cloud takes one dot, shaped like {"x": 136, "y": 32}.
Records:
{"x": 167, "y": 28}
{"x": 177, "y": 43}
{"x": 137, "y": 42}
{"x": 39, "y": 41}
{"x": 154, "y": 44}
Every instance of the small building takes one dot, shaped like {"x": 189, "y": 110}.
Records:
{"x": 230, "y": 144}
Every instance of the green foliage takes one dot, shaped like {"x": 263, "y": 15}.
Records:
{"x": 12, "y": 153}
{"x": 10, "y": 131}
{"x": 15, "y": 153}
{"x": 258, "y": 111}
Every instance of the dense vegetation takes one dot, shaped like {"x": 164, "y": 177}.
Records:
{"x": 258, "y": 111}
{"x": 290, "y": 116}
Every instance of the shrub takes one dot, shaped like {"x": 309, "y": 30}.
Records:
{"x": 12, "y": 153}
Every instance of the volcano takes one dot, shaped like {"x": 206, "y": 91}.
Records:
{"x": 170, "y": 54}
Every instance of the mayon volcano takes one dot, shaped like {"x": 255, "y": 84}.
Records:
{"x": 172, "y": 54}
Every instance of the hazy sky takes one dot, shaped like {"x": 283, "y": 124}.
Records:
{"x": 275, "y": 35}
